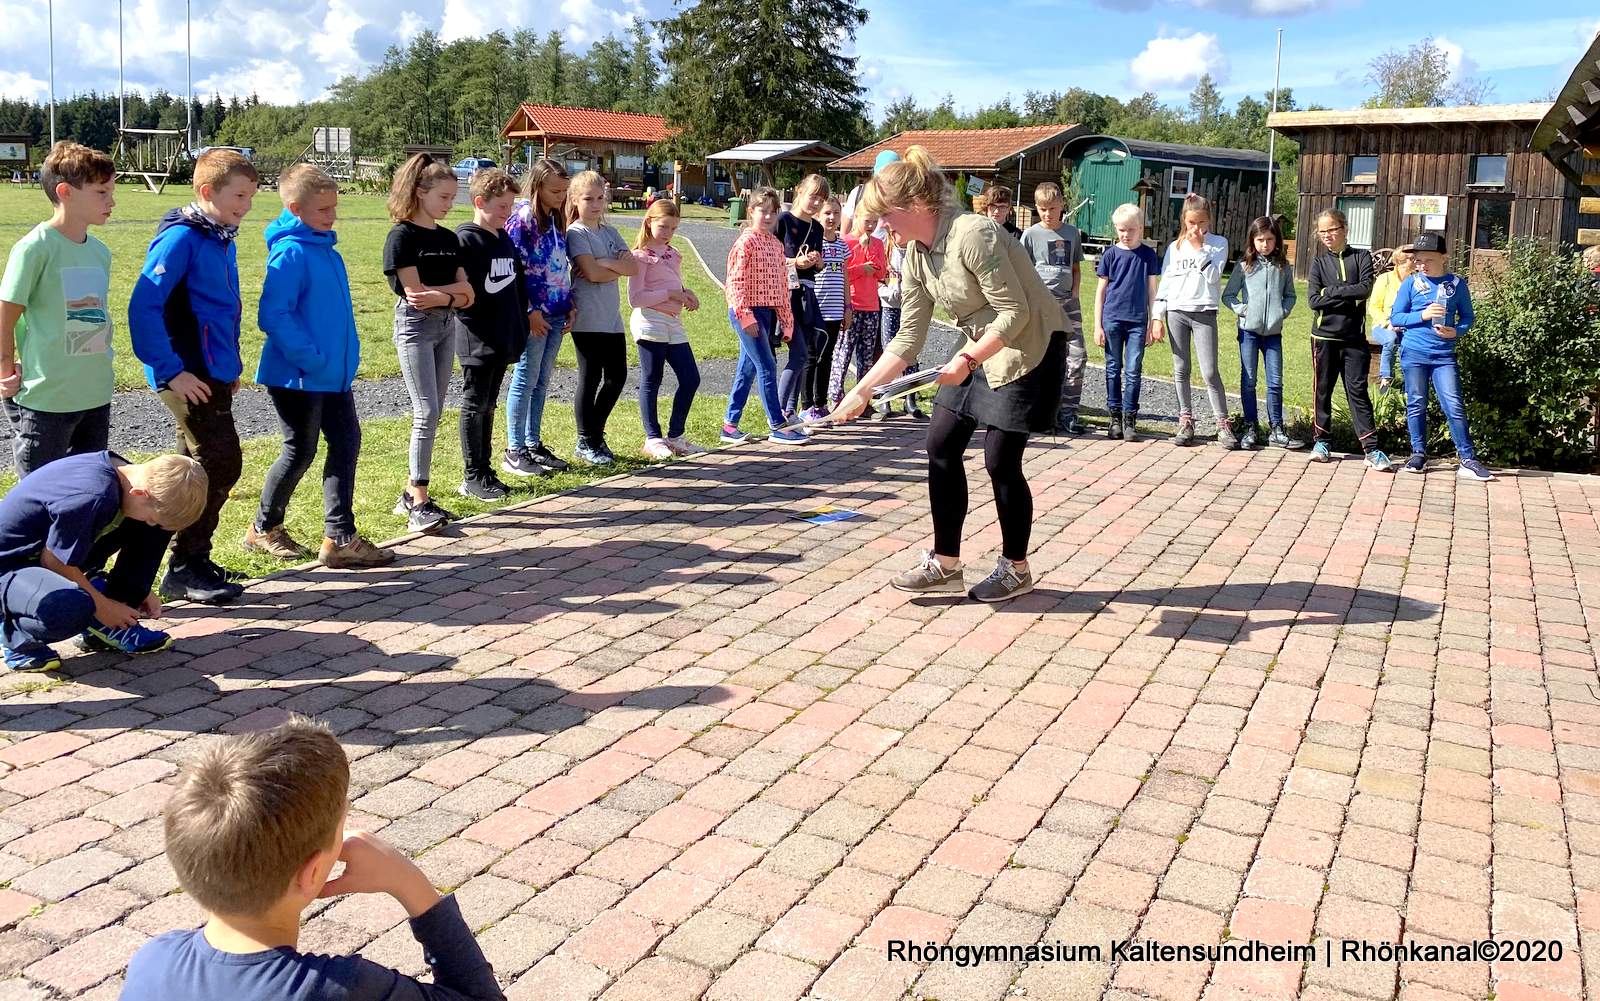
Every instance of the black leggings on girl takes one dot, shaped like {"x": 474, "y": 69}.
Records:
{"x": 949, "y": 434}
{"x": 602, "y": 373}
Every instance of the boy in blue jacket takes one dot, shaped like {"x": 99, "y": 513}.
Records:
{"x": 1431, "y": 311}
{"x": 308, "y": 365}
{"x": 184, "y": 316}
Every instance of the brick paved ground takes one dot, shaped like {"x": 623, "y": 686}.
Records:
{"x": 667, "y": 742}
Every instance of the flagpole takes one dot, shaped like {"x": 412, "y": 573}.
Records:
{"x": 1272, "y": 136}
{"x": 188, "y": 44}
{"x": 122, "y": 106}
{"x": 52, "y": 33}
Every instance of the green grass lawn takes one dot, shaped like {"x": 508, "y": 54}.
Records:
{"x": 363, "y": 225}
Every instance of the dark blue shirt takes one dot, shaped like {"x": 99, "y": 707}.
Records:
{"x": 63, "y": 507}
{"x": 182, "y": 966}
{"x": 1128, "y": 289}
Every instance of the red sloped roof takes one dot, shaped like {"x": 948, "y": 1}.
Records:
{"x": 591, "y": 123}
{"x": 964, "y": 149}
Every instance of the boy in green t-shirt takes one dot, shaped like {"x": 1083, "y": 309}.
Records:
{"x": 55, "y": 317}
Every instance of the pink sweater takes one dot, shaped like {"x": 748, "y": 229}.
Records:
{"x": 864, "y": 285}
{"x": 659, "y": 276}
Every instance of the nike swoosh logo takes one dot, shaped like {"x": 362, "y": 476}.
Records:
{"x": 493, "y": 285}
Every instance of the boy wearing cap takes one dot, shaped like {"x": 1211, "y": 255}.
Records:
{"x": 1431, "y": 311}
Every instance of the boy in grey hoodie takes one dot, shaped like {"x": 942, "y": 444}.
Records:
{"x": 1261, "y": 292}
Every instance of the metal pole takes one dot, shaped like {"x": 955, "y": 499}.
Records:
{"x": 1272, "y": 136}
{"x": 52, "y": 32}
{"x": 188, "y": 44}
{"x": 122, "y": 107}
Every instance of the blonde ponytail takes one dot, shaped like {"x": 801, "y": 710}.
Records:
{"x": 916, "y": 179}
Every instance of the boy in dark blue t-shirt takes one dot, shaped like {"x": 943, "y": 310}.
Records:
{"x": 253, "y": 831}
{"x": 61, "y": 524}
{"x": 1129, "y": 272}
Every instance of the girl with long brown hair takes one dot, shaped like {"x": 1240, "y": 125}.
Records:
{"x": 538, "y": 230}
{"x": 1261, "y": 292}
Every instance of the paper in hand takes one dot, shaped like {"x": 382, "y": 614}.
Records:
{"x": 907, "y": 384}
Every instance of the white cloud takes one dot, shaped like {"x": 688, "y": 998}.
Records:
{"x": 1261, "y": 8}
{"x": 274, "y": 81}
{"x": 22, "y": 85}
{"x": 1172, "y": 62}
{"x": 463, "y": 19}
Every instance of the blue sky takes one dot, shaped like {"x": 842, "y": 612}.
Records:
{"x": 292, "y": 49}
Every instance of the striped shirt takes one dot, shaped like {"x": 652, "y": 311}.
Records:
{"x": 831, "y": 279}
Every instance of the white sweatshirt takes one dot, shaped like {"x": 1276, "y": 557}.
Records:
{"x": 1192, "y": 279}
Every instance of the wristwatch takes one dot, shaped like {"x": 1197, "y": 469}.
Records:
{"x": 972, "y": 363}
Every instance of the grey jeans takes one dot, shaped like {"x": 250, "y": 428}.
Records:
{"x": 44, "y": 436}
{"x": 425, "y": 340}
{"x": 1196, "y": 328}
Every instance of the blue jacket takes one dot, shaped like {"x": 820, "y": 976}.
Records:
{"x": 1419, "y": 345}
{"x": 306, "y": 312}
{"x": 185, "y": 310}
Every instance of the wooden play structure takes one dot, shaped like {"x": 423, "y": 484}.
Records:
{"x": 152, "y": 155}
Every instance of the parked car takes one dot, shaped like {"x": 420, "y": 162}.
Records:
{"x": 471, "y": 165}
{"x": 248, "y": 152}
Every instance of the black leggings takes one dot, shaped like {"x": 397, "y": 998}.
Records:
{"x": 602, "y": 373}
{"x": 948, "y": 436}
{"x": 305, "y": 417}
{"x": 480, "y": 395}
{"x": 819, "y": 364}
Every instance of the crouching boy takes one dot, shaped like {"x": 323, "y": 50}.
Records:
{"x": 61, "y": 525}
{"x": 253, "y": 831}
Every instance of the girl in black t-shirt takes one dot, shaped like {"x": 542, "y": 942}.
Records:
{"x": 423, "y": 262}
{"x": 801, "y": 233}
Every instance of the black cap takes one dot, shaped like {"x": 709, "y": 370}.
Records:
{"x": 1427, "y": 243}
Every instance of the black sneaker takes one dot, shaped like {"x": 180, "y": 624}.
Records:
{"x": 199, "y": 584}
{"x": 483, "y": 490}
{"x": 1418, "y": 463}
{"x": 1114, "y": 429}
{"x": 1069, "y": 425}
{"x": 427, "y": 517}
{"x": 546, "y": 458}
{"x": 518, "y": 462}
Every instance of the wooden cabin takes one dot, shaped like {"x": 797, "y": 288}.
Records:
{"x": 615, "y": 143}
{"x": 1019, "y": 158}
{"x": 1468, "y": 173}
{"x": 1107, "y": 171}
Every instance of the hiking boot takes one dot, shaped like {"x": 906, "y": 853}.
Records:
{"x": 1185, "y": 434}
{"x": 132, "y": 640}
{"x": 1130, "y": 430}
{"x": 1005, "y": 582}
{"x": 275, "y": 541}
{"x": 33, "y": 657}
{"x": 731, "y": 435}
{"x": 1378, "y": 460}
{"x": 357, "y": 554}
{"x": 929, "y": 576}
{"x": 1114, "y": 429}
{"x": 1472, "y": 469}
{"x": 1277, "y": 437}
{"x": 1418, "y": 463}
{"x": 199, "y": 584}
{"x": 483, "y": 490}
{"x": 1226, "y": 438}
{"x": 1320, "y": 452}
{"x": 518, "y": 462}
{"x": 1250, "y": 439}
{"x": 657, "y": 448}
{"x": 546, "y": 458}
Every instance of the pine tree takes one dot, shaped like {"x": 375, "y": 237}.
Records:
{"x": 1205, "y": 101}
{"x": 737, "y": 73}
{"x": 550, "y": 73}
{"x": 608, "y": 69}
{"x": 644, "y": 73}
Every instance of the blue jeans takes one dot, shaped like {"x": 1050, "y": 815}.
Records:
{"x": 1251, "y": 347}
{"x": 39, "y": 607}
{"x": 758, "y": 366}
{"x": 1124, "y": 365}
{"x": 654, "y": 357}
{"x": 529, "y": 382}
{"x": 807, "y": 330}
{"x": 1385, "y": 336}
{"x": 1447, "y": 386}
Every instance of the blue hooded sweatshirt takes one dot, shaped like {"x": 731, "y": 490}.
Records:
{"x": 306, "y": 312}
{"x": 184, "y": 314}
{"x": 1419, "y": 344}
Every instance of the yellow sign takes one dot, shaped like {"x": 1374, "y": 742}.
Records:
{"x": 1426, "y": 204}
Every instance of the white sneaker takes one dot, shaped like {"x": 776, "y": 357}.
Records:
{"x": 681, "y": 445}
{"x": 657, "y": 448}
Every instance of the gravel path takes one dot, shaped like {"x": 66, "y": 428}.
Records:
{"x": 140, "y": 423}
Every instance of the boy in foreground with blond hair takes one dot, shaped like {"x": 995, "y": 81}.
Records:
{"x": 55, "y": 317}
{"x": 59, "y": 527}
{"x": 253, "y": 832}
{"x": 184, "y": 316}
{"x": 1056, "y": 248}
{"x": 308, "y": 366}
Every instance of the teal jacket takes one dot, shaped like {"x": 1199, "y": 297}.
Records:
{"x": 1262, "y": 298}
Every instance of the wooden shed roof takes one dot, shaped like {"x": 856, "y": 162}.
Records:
{"x": 962, "y": 149}
{"x": 1183, "y": 154}
{"x": 1291, "y": 121}
{"x": 584, "y": 123}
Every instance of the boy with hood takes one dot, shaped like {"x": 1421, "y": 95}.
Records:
{"x": 184, "y": 316}
{"x": 308, "y": 365}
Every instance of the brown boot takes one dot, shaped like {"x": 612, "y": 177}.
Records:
{"x": 277, "y": 542}
{"x": 357, "y": 554}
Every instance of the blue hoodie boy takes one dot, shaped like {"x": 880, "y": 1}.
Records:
{"x": 185, "y": 311}
{"x": 1419, "y": 344}
{"x": 306, "y": 312}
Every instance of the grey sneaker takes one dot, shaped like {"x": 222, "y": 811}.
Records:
{"x": 1006, "y": 582}
{"x": 1250, "y": 438}
{"x": 929, "y": 576}
{"x": 1379, "y": 461}
{"x": 1130, "y": 429}
{"x": 1279, "y": 438}
{"x": 1226, "y": 438}
{"x": 1185, "y": 435}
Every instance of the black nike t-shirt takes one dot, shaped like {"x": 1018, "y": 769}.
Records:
{"x": 495, "y": 327}
{"x": 433, "y": 252}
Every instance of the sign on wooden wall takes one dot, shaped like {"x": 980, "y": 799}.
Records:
{"x": 1426, "y": 204}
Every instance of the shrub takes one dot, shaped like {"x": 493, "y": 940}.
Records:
{"x": 1532, "y": 360}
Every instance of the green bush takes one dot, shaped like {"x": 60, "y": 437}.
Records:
{"x": 1532, "y": 360}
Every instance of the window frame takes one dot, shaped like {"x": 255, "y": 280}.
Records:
{"x": 1342, "y": 203}
{"x": 1172, "y": 182}
{"x": 1505, "y": 171}
{"x": 1350, "y": 175}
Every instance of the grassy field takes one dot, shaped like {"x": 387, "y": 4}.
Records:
{"x": 363, "y": 225}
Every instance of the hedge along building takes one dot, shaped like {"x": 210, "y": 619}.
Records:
{"x": 1468, "y": 173}
{"x": 1019, "y": 158}
{"x": 1107, "y": 171}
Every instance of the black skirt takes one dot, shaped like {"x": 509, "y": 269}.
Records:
{"x": 1028, "y": 404}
